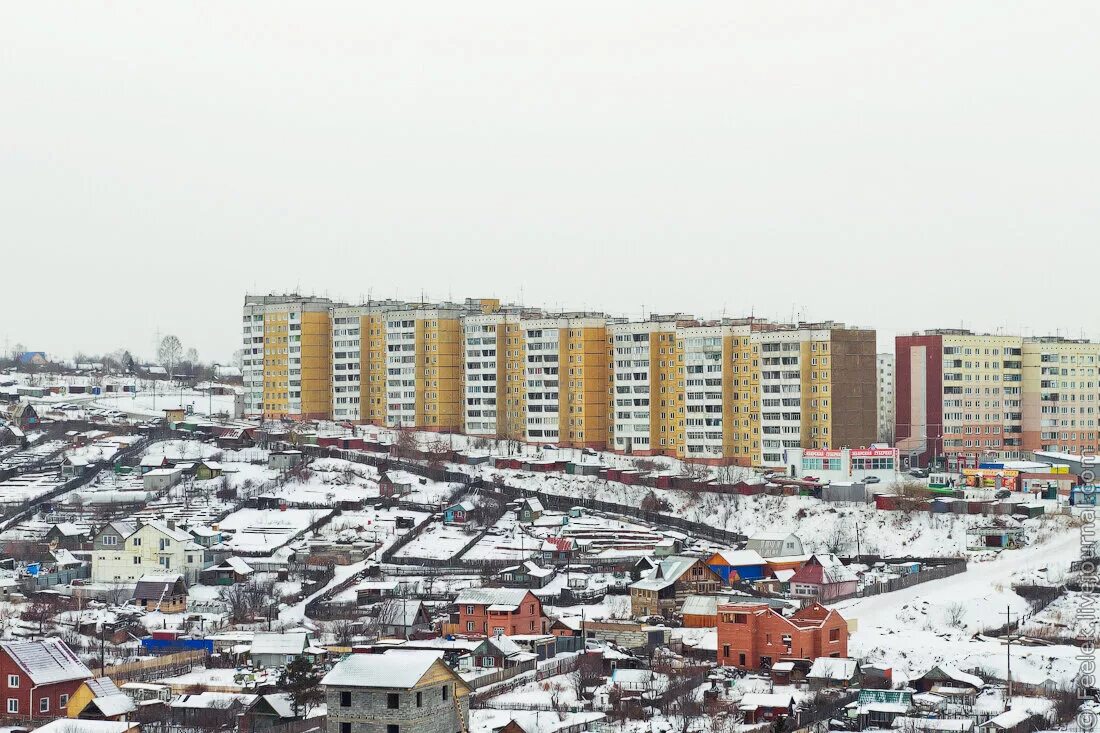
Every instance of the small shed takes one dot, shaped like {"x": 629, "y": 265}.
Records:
{"x": 459, "y": 513}
{"x": 283, "y": 460}
{"x": 164, "y": 593}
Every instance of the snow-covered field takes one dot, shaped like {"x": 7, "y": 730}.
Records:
{"x": 440, "y": 541}
{"x": 1072, "y": 615}
{"x": 505, "y": 540}
{"x": 918, "y": 627}
{"x": 146, "y": 404}
{"x": 264, "y": 530}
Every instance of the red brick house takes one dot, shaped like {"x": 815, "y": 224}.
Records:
{"x": 489, "y": 611}
{"x": 38, "y": 678}
{"x": 751, "y": 635}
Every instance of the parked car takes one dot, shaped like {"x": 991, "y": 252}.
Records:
{"x": 871, "y": 480}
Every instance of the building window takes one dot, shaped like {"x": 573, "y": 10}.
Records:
{"x": 446, "y": 693}
{"x": 834, "y": 634}
{"x": 44, "y": 705}
{"x": 420, "y": 699}
{"x": 137, "y": 560}
{"x": 392, "y": 700}
{"x": 391, "y": 728}
{"x": 13, "y": 705}
{"x": 345, "y": 728}
{"x": 110, "y": 540}
{"x": 13, "y": 680}
{"x": 345, "y": 699}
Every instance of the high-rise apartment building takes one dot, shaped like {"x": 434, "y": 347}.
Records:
{"x": 287, "y": 356}
{"x": 885, "y": 371}
{"x": 963, "y": 396}
{"x": 729, "y": 391}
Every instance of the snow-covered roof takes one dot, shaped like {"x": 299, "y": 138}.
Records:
{"x": 700, "y": 606}
{"x": 1008, "y": 719}
{"x": 273, "y": 643}
{"x": 491, "y": 596}
{"x": 46, "y": 661}
{"x": 532, "y": 504}
{"x": 110, "y": 700}
{"x": 754, "y": 700}
{"x": 393, "y": 669}
{"x": 68, "y": 529}
{"x": 735, "y": 558}
{"x": 78, "y": 725}
{"x": 832, "y": 668}
{"x": 206, "y": 700}
{"x": 958, "y": 676}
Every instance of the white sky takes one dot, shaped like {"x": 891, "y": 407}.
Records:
{"x": 894, "y": 165}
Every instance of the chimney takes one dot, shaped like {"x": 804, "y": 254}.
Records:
{"x": 171, "y": 524}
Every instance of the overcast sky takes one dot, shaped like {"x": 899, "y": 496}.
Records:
{"x": 894, "y": 165}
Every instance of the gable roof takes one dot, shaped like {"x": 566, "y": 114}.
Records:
{"x": 953, "y": 673}
{"x": 396, "y": 612}
{"x": 46, "y": 661}
{"x": 155, "y": 587}
{"x": 264, "y": 642}
{"x": 176, "y": 534}
{"x": 667, "y": 572}
{"x": 492, "y": 596}
{"x": 736, "y": 558}
{"x": 108, "y": 698}
{"x": 832, "y": 668}
{"x": 393, "y": 669}
{"x": 823, "y": 570}
{"x": 700, "y": 606}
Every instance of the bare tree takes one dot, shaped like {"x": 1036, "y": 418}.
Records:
{"x": 169, "y": 352}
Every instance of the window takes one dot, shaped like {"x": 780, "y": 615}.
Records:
{"x": 110, "y": 540}
{"x": 13, "y": 680}
{"x": 741, "y": 659}
{"x": 469, "y": 625}
{"x": 834, "y": 634}
{"x": 345, "y": 728}
{"x": 345, "y": 699}
{"x": 393, "y": 700}
{"x": 62, "y": 700}
{"x": 420, "y": 699}
{"x": 725, "y": 651}
{"x": 446, "y": 693}
{"x": 44, "y": 705}
{"x": 391, "y": 728}
{"x": 13, "y": 705}
{"x": 137, "y": 560}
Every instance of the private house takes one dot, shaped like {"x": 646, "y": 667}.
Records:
{"x": 23, "y": 416}
{"x": 700, "y": 611}
{"x": 735, "y": 565}
{"x": 525, "y": 575}
{"x": 663, "y": 590}
{"x": 396, "y": 483}
{"x": 284, "y": 460}
{"x": 529, "y": 510}
{"x": 272, "y": 650}
{"x": 508, "y": 611}
{"x": 124, "y": 552}
{"x": 946, "y": 676}
{"x": 205, "y": 536}
{"x": 161, "y": 479}
{"x": 832, "y": 672}
{"x": 775, "y": 544}
{"x": 459, "y": 513}
{"x": 67, "y": 536}
{"x": 211, "y": 710}
{"x": 174, "y": 414}
{"x": 205, "y": 470}
{"x": 100, "y": 699}
{"x": 557, "y": 550}
{"x": 374, "y": 591}
{"x": 74, "y": 466}
{"x": 501, "y": 652}
{"x": 765, "y": 707}
{"x": 752, "y": 635}
{"x": 879, "y": 708}
{"x": 164, "y": 593}
{"x": 74, "y": 725}
{"x": 149, "y": 463}
{"x": 229, "y": 571}
{"x": 402, "y": 618}
{"x": 397, "y": 691}
{"x": 37, "y": 678}
{"x": 1015, "y": 720}
{"x": 823, "y": 577}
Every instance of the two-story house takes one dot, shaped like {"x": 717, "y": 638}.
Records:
{"x": 663, "y": 590}
{"x": 398, "y": 691}
{"x": 37, "y": 678}
{"x": 124, "y": 552}
{"x": 492, "y": 611}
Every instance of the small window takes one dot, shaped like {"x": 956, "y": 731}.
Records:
{"x": 420, "y": 699}
{"x": 393, "y": 700}
{"x": 137, "y": 559}
{"x": 63, "y": 700}
{"x": 345, "y": 728}
{"x": 13, "y": 705}
{"x": 110, "y": 540}
{"x": 137, "y": 542}
{"x": 391, "y": 728}
{"x": 345, "y": 699}
{"x": 834, "y": 634}
{"x": 13, "y": 680}
{"x": 446, "y": 692}
{"x": 44, "y": 705}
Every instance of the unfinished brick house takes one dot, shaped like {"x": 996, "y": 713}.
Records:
{"x": 753, "y": 636}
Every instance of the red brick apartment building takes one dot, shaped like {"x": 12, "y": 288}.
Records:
{"x": 752, "y": 635}
{"x": 487, "y": 611}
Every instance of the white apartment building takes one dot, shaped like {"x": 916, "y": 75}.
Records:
{"x": 401, "y": 367}
{"x": 347, "y": 361}
{"x": 631, "y": 423}
{"x": 884, "y": 369}
{"x": 781, "y": 364}
{"x": 542, "y": 378}
{"x": 703, "y": 390}
{"x": 483, "y": 365}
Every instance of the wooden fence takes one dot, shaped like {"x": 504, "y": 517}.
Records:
{"x": 144, "y": 670}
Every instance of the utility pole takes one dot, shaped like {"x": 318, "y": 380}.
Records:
{"x": 1008, "y": 637}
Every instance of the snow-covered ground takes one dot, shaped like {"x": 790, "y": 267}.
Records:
{"x": 1072, "y": 615}
{"x": 440, "y": 541}
{"x": 918, "y": 627}
{"x": 265, "y": 530}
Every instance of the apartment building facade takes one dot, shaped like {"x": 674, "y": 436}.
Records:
{"x": 962, "y": 397}
{"x": 884, "y": 371}
{"x": 729, "y": 391}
